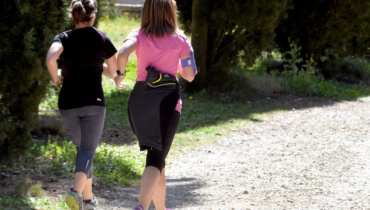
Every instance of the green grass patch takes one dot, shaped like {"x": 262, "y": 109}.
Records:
{"x": 118, "y": 28}
{"x": 112, "y": 164}
{"x": 30, "y": 203}
{"x": 304, "y": 84}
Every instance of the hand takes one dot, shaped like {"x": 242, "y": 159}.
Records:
{"x": 59, "y": 78}
{"x": 118, "y": 81}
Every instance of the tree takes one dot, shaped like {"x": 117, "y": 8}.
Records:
{"x": 326, "y": 27}
{"x": 225, "y": 31}
{"x": 185, "y": 8}
{"x": 28, "y": 28}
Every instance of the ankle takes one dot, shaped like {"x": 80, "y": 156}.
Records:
{"x": 79, "y": 194}
{"x": 88, "y": 199}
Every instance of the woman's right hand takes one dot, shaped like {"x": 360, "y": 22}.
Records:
{"x": 118, "y": 80}
{"x": 51, "y": 62}
{"x": 59, "y": 77}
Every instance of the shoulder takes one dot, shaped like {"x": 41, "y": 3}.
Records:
{"x": 62, "y": 37}
{"x": 102, "y": 34}
{"x": 64, "y": 34}
{"x": 136, "y": 32}
{"x": 181, "y": 35}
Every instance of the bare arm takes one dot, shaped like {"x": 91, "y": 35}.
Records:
{"x": 54, "y": 52}
{"x": 109, "y": 69}
{"x": 187, "y": 72}
{"x": 127, "y": 48}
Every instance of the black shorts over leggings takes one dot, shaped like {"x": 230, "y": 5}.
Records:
{"x": 157, "y": 157}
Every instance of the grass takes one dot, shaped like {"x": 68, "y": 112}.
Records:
{"x": 28, "y": 203}
{"x": 26, "y": 187}
{"x": 118, "y": 28}
{"x": 112, "y": 164}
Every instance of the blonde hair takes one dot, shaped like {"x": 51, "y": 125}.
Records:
{"x": 83, "y": 10}
{"x": 159, "y": 18}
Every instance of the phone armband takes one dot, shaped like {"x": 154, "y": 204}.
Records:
{"x": 190, "y": 62}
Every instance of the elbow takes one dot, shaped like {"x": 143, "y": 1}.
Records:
{"x": 50, "y": 60}
{"x": 190, "y": 78}
{"x": 123, "y": 53}
{"x": 121, "y": 56}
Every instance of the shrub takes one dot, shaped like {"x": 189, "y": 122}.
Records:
{"x": 27, "y": 28}
{"x": 349, "y": 70}
{"x": 225, "y": 31}
{"x": 269, "y": 62}
{"x": 338, "y": 27}
{"x": 28, "y": 187}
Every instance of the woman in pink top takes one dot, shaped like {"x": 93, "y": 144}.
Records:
{"x": 154, "y": 106}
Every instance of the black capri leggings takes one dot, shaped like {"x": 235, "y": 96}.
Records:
{"x": 157, "y": 157}
{"x": 86, "y": 126}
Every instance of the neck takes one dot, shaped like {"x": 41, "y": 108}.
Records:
{"x": 84, "y": 25}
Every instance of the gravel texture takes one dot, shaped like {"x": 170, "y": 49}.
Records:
{"x": 313, "y": 158}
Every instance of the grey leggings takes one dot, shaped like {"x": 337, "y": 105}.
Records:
{"x": 86, "y": 126}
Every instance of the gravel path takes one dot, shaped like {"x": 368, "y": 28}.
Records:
{"x": 314, "y": 158}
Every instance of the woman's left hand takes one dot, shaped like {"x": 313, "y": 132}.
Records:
{"x": 118, "y": 80}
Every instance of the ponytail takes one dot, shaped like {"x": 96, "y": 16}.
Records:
{"x": 83, "y": 10}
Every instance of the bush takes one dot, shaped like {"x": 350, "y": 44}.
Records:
{"x": 337, "y": 27}
{"x": 225, "y": 31}
{"x": 269, "y": 62}
{"x": 27, "y": 28}
{"x": 349, "y": 70}
{"x": 28, "y": 187}
{"x": 301, "y": 77}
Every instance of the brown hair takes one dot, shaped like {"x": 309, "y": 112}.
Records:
{"x": 83, "y": 10}
{"x": 159, "y": 17}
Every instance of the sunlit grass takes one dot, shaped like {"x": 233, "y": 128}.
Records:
{"x": 118, "y": 28}
{"x": 112, "y": 164}
{"x": 26, "y": 203}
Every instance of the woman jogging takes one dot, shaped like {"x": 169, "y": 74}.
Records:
{"x": 154, "y": 105}
{"x": 81, "y": 99}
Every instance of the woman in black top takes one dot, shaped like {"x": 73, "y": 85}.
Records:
{"x": 81, "y": 99}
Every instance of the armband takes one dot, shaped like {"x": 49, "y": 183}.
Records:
{"x": 190, "y": 62}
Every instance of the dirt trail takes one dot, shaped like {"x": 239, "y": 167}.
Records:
{"x": 314, "y": 158}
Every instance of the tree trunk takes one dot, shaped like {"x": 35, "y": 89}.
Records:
{"x": 200, "y": 44}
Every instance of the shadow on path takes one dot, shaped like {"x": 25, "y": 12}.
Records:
{"x": 127, "y": 197}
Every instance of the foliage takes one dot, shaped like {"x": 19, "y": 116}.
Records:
{"x": 306, "y": 80}
{"x": 27, "y": 28}
{"x": 224, "y": 31}
{"x": 267, "y": 62}
{"x": 185, "y": 12}
{"x": 98, "y": 14}
{"x": 56, "y": 158}
{"x": 117, "y": 165}
{"x": 112, "y": 164}
{"x": 334, "y": 26}
{"x": 27, "y": 187}
{"x": 349, "y": 69}
{"x": 293, "y": 61}
{"x": 27, "y": 202}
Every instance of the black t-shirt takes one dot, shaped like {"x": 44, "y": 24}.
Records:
{"x": 84, "y": 52}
